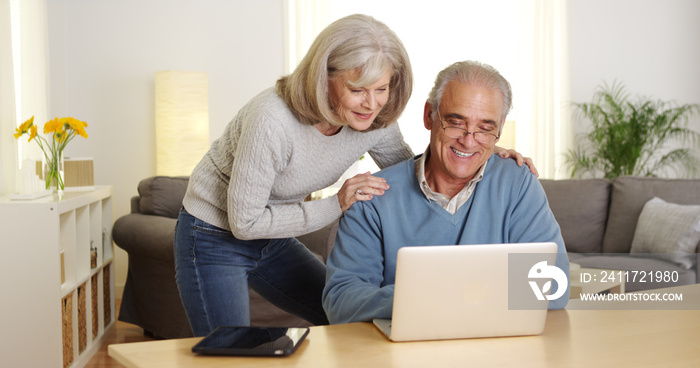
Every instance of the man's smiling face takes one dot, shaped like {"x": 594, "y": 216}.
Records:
{"x": 455, "y": 161}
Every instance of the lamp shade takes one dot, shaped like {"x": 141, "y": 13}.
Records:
{"x": 507, "y": 135}
{"x": 182, "y": 120}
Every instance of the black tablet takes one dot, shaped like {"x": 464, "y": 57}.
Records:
{"x": 252, "y": 341}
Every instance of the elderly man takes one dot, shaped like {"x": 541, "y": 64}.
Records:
{"x": 457, "y": 192}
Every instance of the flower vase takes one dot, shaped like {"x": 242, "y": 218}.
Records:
{"x": 53, "y": 173}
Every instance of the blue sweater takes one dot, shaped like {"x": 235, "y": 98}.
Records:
{"x": 507, "y": 206}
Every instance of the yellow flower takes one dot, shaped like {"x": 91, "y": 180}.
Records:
{"x": 53, "y": 126}
{"x": 24, "y": 128}
{"x": 62, "y": 131}
{"x": 32, "y": 134}
{"x": 60, "y": 136}
{"x": 78, "y": 126}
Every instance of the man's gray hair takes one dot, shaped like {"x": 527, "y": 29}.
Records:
{"x": 472, "y": 72}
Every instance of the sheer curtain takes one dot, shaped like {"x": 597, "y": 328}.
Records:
{"x": 8, "y": 151}
{"x": 23, "y": 81}
{"x": 544, "y": 128}
{"x": 305, "y": 19}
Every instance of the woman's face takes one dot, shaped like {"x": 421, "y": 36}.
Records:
{"x": 358, "y": 106}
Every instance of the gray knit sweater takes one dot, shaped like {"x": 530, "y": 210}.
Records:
{"x": 255, "y": 177}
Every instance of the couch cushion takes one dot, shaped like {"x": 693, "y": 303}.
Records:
{"x": 162, "y": 195}
{"x": 627, "y": 198}
{"x": 670, "y": 231}
{"x": 581, "y": 209}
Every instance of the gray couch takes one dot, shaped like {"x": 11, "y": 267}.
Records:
{"x": 597, "y": 217}
{"x": 598, "y": 220}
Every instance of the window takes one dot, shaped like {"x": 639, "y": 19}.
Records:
{"x": 23, "y": 57}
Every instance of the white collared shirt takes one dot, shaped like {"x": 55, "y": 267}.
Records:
{"x": 451, "y": 205}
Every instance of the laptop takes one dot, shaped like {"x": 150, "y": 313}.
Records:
{"x": 463, "y": 291}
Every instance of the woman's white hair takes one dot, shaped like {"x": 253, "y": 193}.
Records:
{"x": 356, "y": 42}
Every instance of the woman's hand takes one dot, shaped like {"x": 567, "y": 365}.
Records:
{"x": 519, "y": 159}
{"x": 361, "y": 187}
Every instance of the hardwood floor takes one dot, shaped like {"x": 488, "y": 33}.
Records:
{"x": 124, "y": 332}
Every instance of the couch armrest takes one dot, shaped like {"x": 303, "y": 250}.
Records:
{"x": 145, "y": 235}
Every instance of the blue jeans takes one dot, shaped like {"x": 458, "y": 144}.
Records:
{"x": 214, "y": 270}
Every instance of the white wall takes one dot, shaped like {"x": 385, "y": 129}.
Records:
{"x": 103, "y": 56}
{"x": 653, "y": 46}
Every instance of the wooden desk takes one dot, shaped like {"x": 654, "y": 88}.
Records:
{"x": 572, "y": 338}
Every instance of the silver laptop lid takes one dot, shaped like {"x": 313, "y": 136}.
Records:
{"x": 447, "y": 292}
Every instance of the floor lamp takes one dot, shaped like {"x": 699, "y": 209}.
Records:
{"x": 182, "y": 121}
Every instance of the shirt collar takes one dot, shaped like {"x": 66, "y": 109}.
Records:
{"x": 442, "y": 199}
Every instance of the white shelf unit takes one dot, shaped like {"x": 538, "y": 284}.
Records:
{"x": 56, "y": 308}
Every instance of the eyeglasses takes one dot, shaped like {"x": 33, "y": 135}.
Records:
{"x": 454, "y": 130}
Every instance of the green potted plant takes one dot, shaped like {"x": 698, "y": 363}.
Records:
{"x": 641, "y": 137}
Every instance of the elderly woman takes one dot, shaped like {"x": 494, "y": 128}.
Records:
{"x": 245, "y": 200}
